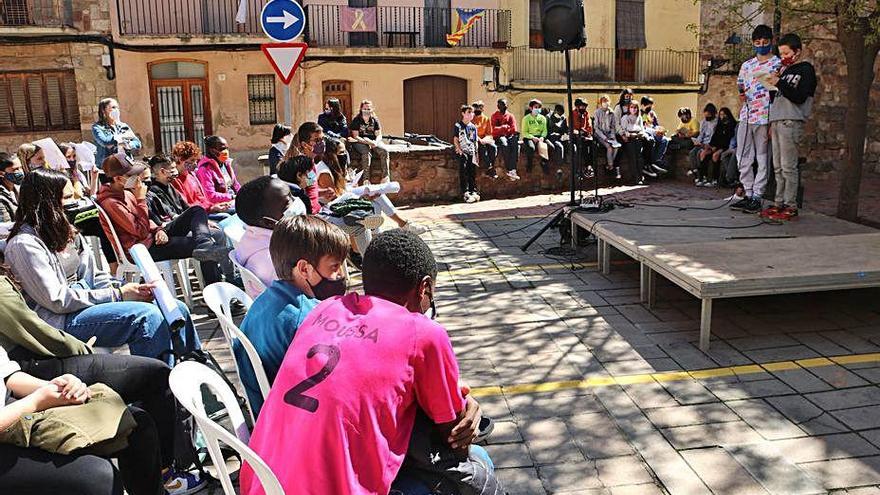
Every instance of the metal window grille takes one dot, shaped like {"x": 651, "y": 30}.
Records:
{"x": 38, "y": 101}
{"x": 261, "y": 99}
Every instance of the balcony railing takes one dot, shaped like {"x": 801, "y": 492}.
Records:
{"x": 607, "y": 65}
{"x": 395, "y": 26}
{"x": 408, "y": 27}
{"x": 37, "y": 13}
{"x": 187, "y": 18}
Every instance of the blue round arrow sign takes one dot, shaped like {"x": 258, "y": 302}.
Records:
{"x": 283, "y": 20}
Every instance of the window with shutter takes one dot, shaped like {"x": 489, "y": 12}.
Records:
{"x": 38, "y": 101}
{"x": 261, "y": 98}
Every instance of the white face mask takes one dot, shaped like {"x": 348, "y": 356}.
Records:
{"x": 291, "y": 210}
{"x": 114, "y": 114}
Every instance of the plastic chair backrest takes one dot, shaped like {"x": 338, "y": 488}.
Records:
{"x": 121, "y": 255}
{"x": 217, "y": 296}
{"x": 252, "y": 284}
{"x": 186, "y": 381}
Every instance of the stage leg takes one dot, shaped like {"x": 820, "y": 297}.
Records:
{"x": 604, "y": 256}
{"x": 574, "y": 232}
{"x": 705, "y": 324}
{"x": 648, "y": 286}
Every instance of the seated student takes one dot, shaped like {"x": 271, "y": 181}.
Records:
{"x": 688, "y": 128}
{"x": 333, "y": 174}
{"x": 308, "y": 141}
{"x": 582, "y": 128}
{"x": 655, "y": 163}
{"x": 606, "y": 129}
{"x": 725, "y": 130}
{"x": 702, "y": 148}
{"x": 186, "y": 156}
{"x": 635, "y": 141}
{"x": 215, "y": 172}
{"x": 332, "y": 120}
{"x": 31, "y": 470}
{"x": 61, "y": 283}
{"x": 534, "y": 131}
{"x": 31, "y": 156}
{"x": 46, "y": 352}
{"x": 12, "y": 176}
{"x": 299, "y": 174}
{"x": 557, "y": 126}
{"x": 308, "y": 254}
{"x": 383, "y": 360}
{"x": 260, "y": 204}
{"x": 281, "y": 139}
{"x": 170, "y": 211}
{"x": 124, "y": 199}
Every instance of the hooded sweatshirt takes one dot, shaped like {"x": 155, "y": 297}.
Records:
{"x": 130, "y": 217}
{"x": 794, "y": 100}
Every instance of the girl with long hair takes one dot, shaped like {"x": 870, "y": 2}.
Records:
{"x": 62, "y": 284}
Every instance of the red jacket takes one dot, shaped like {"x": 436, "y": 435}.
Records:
{"x": 188, "y": 185}
{"x": 503, "y": 124}
{"x": 578, "y": 123}
{"x": 129, "y": 216}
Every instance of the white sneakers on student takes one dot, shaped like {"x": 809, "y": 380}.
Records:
{"x": 415, "y": 228}
{"x": 471, "y": 197}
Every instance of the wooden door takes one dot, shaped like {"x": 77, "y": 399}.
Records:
{"x": 341, "y": 90}
{"x": 625, "y": 66}
{"x": 181, "y": 112}
{"x": 431, "y": 104}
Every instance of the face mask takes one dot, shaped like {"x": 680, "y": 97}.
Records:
{"x": 318, "y": 148}
{"x": 290, "y": 211}
{"x": 366, "y": 113}
{"x": 685, "y": 119}
{"x": 172, "y": 173}
{"x": 343, "y": 161}
{"x": 710, "y": 118}
{"x": 223, "y": 156}
{"x": 431, "y": 312}
{"x": 478, "y": 112}
{"x": 15, "y": 177}
{"x": 763, "y": 50}
{"x": 326, "y": 288}
{"x": 536, "y": 112}
{"x": 502, "y": 108}
{"x": 311, "y": 178}
{"x": 191, "y": 166}
{"x": 788, "y": 60}
{"x": 114, "y": 114}
{"x": 287, "y": 139}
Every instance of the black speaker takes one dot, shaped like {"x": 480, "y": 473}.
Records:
{"x": 562, "y": 24}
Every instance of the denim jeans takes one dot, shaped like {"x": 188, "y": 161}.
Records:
{"x": 138, "y": 324}
{"x": 658, "y": 154}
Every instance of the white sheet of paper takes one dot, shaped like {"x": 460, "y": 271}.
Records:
{"x": 373, "y": 189}
{"x": 164, "y": 299}
{"x": 55, "y": 159}
{"x": 85, "y": 155}
{"x": 356, "y": 179}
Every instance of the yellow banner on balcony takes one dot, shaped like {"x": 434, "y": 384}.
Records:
{"x": 462, "y": 21}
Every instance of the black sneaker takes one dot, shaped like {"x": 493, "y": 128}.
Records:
{"x": 213, "y": 253}
{"x": 754, "y": 206}
{"x": 647, "y": 171}
{"x": 741, "y": 204}
{"x": 485, "y": 429}
{"x": 657, "y": 168}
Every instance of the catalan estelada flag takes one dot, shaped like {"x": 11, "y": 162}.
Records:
{"x": 462, "y": 20}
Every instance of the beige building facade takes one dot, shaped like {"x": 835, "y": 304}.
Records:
{"x": 184, "y": 68}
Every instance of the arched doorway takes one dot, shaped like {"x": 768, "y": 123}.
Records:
{"x": 179, "y": 101}
{"x": 431, "y": 104}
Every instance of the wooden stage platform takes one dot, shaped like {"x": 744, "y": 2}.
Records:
{"x": 713, "y": 252}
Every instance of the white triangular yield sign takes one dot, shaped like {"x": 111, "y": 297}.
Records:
{"x": 285, "y": 58}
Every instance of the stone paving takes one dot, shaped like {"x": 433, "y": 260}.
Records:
{"x": 616, "y": 413}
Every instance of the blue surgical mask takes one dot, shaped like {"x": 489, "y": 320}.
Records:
{"x": 15, "y": 177}
{"x": 311, "y": 178}
{"x": 763, "y": 50}
{"x": 536, "y": 112}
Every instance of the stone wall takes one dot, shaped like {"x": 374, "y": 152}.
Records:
{"x": 89, "y": 16}
{"x": 824, "y": 145}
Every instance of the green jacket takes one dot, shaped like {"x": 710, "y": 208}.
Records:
{"x": 22, "y": 327}
{"x": 534, "y": 126}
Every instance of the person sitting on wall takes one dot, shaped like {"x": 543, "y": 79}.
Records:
{"x": 366, "y": 134}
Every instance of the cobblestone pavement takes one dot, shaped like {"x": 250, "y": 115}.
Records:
{"x": 594, "y": 393}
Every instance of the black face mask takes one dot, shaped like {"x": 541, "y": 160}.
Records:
{"x": 478, "y": 112}
{"x": 326, "y": 288}
{"x": 343, "y": 161}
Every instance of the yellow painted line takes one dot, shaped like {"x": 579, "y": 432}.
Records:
{"x": 672, "y": 376}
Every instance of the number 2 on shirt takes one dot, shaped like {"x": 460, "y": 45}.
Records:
{"x": 295, "y": 396}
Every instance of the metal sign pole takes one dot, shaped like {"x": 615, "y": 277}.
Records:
{"x": 288, "y": 118}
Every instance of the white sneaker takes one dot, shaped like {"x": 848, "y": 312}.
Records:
{"x": 512, "y": 175}
{"x": 476, "y": 196}
{"x": 182, "y": 482}
{"x": 415, "y": 228}
{"x": 698, "y": 182}
{"x": 690, "y": 173}
{"x": 468, "y": 197}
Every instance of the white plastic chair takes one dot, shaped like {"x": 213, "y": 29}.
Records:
{"x": 126, "y": 267}
{"x": 95, "y": 244}
{"x": 252, "y": 283}
{"x": 186, "y": 381}
{"x": 217, "y": 297}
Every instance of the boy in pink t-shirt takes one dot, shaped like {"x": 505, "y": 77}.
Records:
{"x": 341, "y": 411}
